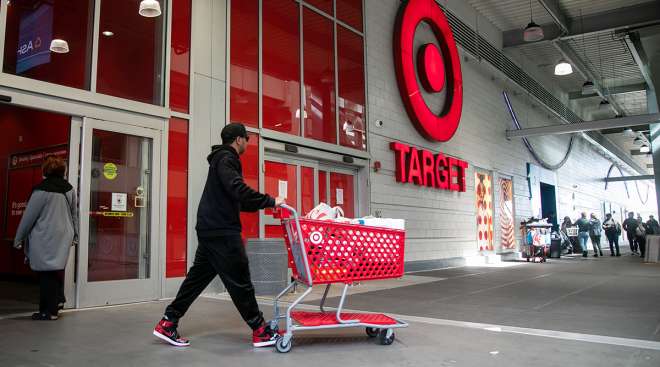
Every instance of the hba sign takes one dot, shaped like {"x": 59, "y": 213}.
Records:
{"x": 438, "y": 69}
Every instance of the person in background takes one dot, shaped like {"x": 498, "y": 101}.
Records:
{"x": 612, "y": 232}
{"x": 48, "y": 228}
{"x": 640, "y": 237}
{"x": 630, "y": 225}
{"x": 595, "y": 231}
{"x": 652, "y": 226}
{"x": 584, "y": 227}
{"x": 564, "y": 233}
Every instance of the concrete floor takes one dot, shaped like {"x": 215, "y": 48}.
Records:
{"x": 593, "y": 312}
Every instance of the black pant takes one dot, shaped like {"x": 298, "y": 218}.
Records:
{"x": 51, "y": 291}
{"x": 641, "y": 240}
{"x": 632, "y": 240}
{"x": 595, "y": 242}
{"x": 224, "y": 256}
{"x": 614, "y": 242}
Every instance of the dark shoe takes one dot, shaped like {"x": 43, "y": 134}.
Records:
{"x": 264, "y": 336}
{"x": 612, "y": 254}
{"x": 166, "y": 331}
{"x": 601, "y": 254}
{"x": 618, "y": 254}
{"x": 584, "y": 254}
{"x": 596, "y": 255}
{"x": 43, "y": 316}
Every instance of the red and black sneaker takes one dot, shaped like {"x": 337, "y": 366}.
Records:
{"x": 166, "y": 330}
{"x": 264, "y": 336}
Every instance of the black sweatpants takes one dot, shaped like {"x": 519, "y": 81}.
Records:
{"x": 224, "y": 256}
{"x": 641, "y": 241}
{"x": 613, "y": 239}
{"x": 632, "y": 240}
{"x": 51, "y": 291}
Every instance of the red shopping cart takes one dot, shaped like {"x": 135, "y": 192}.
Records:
{"x": 328, "y": 252}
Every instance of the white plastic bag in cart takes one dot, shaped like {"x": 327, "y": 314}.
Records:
{"x": 381, "y": 222}
{"x": 324, "y": 211}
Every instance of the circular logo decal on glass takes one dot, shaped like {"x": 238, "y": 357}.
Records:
{"x": 438, "y": 68}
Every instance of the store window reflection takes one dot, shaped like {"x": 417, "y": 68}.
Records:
{"x": 130, "y": 62}
{"x": 50, "y": 41}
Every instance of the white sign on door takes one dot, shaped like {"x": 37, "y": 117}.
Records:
{"x": 119, "y": 201}
{"x": 282, "y": 189}
{"x": 340, "y": 196}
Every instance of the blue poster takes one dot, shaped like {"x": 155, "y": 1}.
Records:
{"x": 35, "y": 34}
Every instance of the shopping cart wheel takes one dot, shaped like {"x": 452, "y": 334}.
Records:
{"x": 283, "y": 347}
{"x": 386, "y": 336}
{"x": 372, "y": 332}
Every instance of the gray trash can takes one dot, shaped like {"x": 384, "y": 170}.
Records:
{"x": 268, "y": 265}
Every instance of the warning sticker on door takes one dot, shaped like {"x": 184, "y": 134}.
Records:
{"x": 110, "y": 171}
{"x": 119, "y": 201}
{"x": 340, "y": 196}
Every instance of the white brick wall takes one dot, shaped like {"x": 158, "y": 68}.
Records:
{"x": 441, "y": 224}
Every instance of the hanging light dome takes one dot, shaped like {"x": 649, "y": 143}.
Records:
{"x": 149, "y": 8}
{"x": 563, "y": 68}
{"x": 645, "y": 149}
{"x": 638, "y": 141}
{"x": 59, "y": 46}
{"x": 629, "y": 132}
{"x": 588, "y": 88}
{"x": 533, "y": 32}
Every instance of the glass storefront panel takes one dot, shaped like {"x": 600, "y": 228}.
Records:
{"x": 120, "y": 201}
{"x": 244, "y": 63}
{"x": 281, "y": 66}
{"x": 352, "y": 124}
{"x": 342, "y": 193}
{"x": 250, "y": 164}
{"x": 323, "y": 5}
{"x": 177, "y": 199}
{"x": 180, "y": 56}
{"x": 350, "y": 12}
{"x": 32, "y": 26}
{"x": 319, "y": 77}
{"x": 130, "y": 60}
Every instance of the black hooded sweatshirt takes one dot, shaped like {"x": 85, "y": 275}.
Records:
{"x": 226, "y": 195}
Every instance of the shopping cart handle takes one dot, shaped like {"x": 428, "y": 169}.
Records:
{"x": 291, "y": 210}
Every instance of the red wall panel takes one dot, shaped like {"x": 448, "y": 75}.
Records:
{"x": 177, "y": 199}
{"x": 244, "y": 63}
{"x": 180, "y": 56}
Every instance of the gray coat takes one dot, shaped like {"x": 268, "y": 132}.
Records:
{"x": 50, "y": 224}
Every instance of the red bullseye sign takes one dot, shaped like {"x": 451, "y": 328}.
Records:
{"x": 432, "y": 65}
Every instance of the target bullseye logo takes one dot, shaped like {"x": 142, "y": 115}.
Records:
{"x": 438, "y": 69}
{"x": 316, "y": 237}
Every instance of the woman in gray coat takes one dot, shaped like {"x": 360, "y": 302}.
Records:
{"x": 48, "y": 228}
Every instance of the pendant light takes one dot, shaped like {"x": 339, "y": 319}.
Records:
{"x": 533, "y": 32}
{"x": 645, "y": 149}
{"x": 149, "y": 8}
{"x": 59, "y": 46}
{"x": 604, "y": 104}
{"x": 563, "y": 68}
{"x": 629, "y": 132}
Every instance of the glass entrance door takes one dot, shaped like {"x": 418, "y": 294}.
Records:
{"x": 118, "y": 252}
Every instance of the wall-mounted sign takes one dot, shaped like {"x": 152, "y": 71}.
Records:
{"x": 438, "y": 69}
{"x": 422, "y": 167}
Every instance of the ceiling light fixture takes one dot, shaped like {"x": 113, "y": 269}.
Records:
{"x": 149, "y": 8}
{"x": 604, "y": 104}
{"x": 563, "y": 68}
{"x": 638, "y": 141}
{"x": 645, "y": 149}
{"x": 628, "y": 132}
{"x": 533, "y": 32}
{"x": 59, "y": 46}
{"x": 588, "y": 88}
{"x": 108, "y": 33}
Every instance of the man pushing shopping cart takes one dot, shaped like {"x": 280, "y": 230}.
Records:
{"x": 220, "y": 250}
